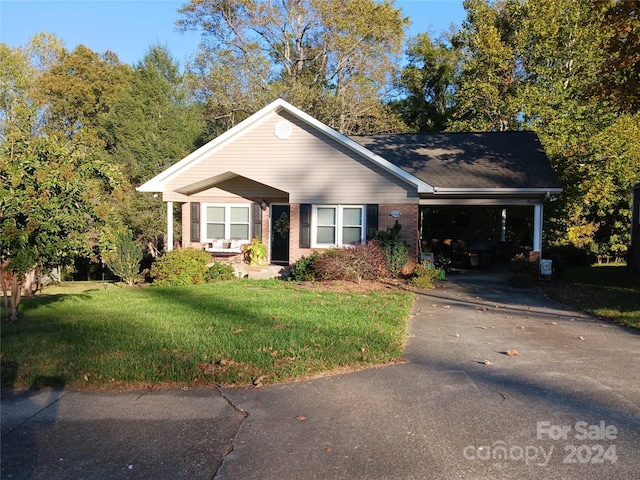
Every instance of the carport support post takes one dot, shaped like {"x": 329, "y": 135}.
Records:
{"x": 169, "y": 245}
{"x": 503, "y": 225}
{"x": 537, "y": 230}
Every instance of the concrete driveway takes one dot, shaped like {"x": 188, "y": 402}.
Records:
{"x": 499, "y": 384}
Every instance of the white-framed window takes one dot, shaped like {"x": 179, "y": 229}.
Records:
{"x": 337, "y": 225}
{"x": 227, "y": 221}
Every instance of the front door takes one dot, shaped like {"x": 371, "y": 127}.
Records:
{"x": 280, "y": 234}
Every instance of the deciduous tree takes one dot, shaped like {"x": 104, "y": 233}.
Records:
{"x": 331, "y": 58}
{"x": 51, "y": 193}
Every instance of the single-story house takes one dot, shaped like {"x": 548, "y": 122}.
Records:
{"x": 287, "y": 178}
{"x": 634, "y": 249}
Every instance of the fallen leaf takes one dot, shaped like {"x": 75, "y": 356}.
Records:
{"x": 487, "y": 362}
{"x": 434, "y": 305}
{"x": 513, "y": 352}
{"x": 301, "y": 418}
{"x": 580, "y": 337}
{"x": 457, "y": 335}
{"x": 447, "y": 306}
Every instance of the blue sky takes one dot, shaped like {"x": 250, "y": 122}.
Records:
{"x": 130, "y": 27}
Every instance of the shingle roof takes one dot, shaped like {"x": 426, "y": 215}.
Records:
{"x": 510, "y": 160}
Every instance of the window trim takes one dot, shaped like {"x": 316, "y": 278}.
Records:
{"x": 227, "y": 220}
{"x": 339, "y": 225}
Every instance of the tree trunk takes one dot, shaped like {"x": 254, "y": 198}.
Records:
{"x": 16, "y": 290}
{"x": 5, "y": 279}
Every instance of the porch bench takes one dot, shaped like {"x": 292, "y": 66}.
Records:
{"x": 218, "y": 248}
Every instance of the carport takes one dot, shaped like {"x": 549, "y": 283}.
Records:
{"x": 494, "y": 175}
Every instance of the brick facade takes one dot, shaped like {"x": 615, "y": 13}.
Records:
{"x": 408, "y": 219}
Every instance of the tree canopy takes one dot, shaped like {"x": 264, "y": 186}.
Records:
{"x": 333, "y": 59}
{"x": 51, "y": 198}
{"x": 79, "y": 129}
{"x": 564, "y": 68}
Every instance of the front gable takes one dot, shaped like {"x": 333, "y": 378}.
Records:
{"x": 285, "y": 150}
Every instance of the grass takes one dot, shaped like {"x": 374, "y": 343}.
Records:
{"x": 227, "y": 333}
{"x": 607, "y": 291}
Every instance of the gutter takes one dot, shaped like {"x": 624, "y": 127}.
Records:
{"x": 547, "y": 192}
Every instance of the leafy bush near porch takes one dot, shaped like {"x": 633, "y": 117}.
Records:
{"x": 181, "y": 267}
{"x": 220, "y": 271}
{"x": 394, "y": 248}
{"x": 302, "y": 270}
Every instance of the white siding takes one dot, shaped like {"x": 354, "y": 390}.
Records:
{"x": 309, "y": 166}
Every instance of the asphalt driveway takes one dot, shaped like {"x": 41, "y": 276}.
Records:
{"x": 498, "y": 383}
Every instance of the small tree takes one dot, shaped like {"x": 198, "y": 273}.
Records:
{"x": 50, "y": 198}
{"x": 124, "y": 258}
{"x": 395, "y": 249}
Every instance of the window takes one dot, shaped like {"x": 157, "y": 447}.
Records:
{"x": 227, "y": 222}
{"x": 335, "y": 225}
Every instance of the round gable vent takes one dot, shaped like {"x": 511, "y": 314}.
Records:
{"x": 283, "y": 129}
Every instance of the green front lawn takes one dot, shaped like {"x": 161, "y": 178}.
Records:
{"x": 228, "y": 333}
{"x": 607, "y": 291}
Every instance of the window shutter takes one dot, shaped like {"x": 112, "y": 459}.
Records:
{"x": 305, "y": 225}
{"x": 372, "y": 221}
{"x": 195, "y": 222}
{"x": 256, "y": 220}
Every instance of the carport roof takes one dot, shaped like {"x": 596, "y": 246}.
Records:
{"x": 474, "y": 161}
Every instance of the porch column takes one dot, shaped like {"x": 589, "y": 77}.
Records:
{"x": 169, "y": 245}
{"x": 537, "y": 228}
{"x": 503, "y": 225}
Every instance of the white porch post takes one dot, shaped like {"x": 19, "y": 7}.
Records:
{"x": 503, "y": 225}
{"x": 537, "y": 229}
{"x": 169, "y": 245}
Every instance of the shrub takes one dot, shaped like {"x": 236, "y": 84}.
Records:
{"x": 220, "y": 271}
{"x": 520, "y": 265}
{"x": 424, "y": 276}
{"x": 302, "y": 270}
{"x": 394, "y": 248}
{"x": 361, "y": 262}
{"x": 124, "y": 258}
{"x": 181, "y": 267}
{"x": 255, "y": 252}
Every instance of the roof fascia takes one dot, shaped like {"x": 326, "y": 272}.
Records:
{"x": 494, "y": 191}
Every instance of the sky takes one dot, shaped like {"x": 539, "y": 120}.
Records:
{"x": 129, "y": 27}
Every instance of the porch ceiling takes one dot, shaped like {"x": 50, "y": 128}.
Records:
{"x": 233, "y": 183}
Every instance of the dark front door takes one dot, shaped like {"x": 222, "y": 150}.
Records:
{"x": 280, "y": 234}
